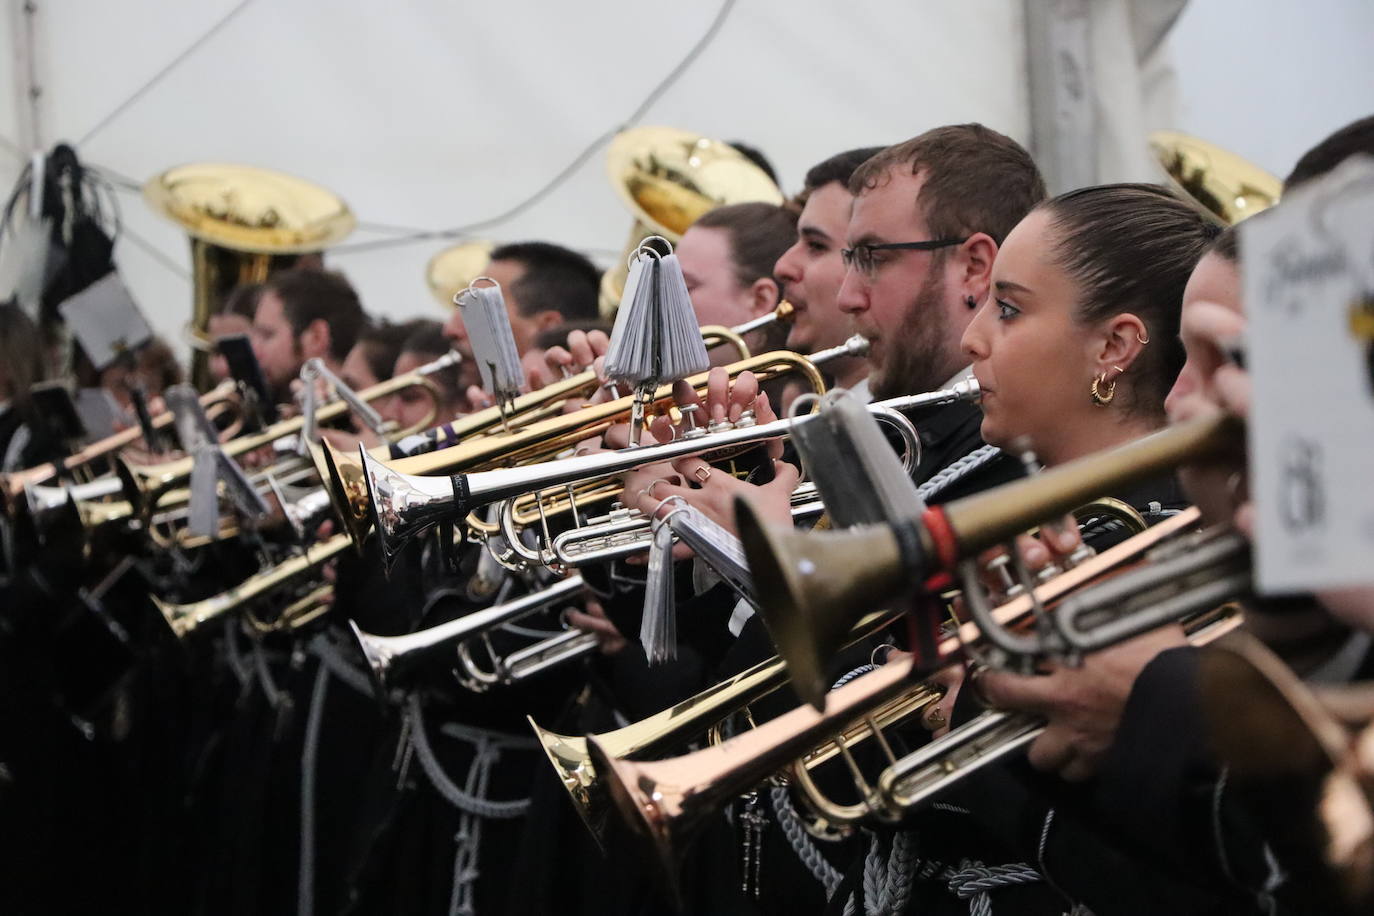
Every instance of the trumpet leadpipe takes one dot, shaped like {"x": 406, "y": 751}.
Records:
{"x": 185, "y": 618}
{"x": 406, "y": 505}
{"x": 390, "y": 657}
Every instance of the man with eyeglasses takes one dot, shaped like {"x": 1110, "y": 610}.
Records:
{"x": 928, "y": 216}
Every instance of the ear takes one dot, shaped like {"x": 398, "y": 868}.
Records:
{"x": 763, "y": 296}
{"x": 547, "y": 320}
{"x": 315, "y": 339}
{"x": 1120, "y": 343}
{"x": 975, "y": 264}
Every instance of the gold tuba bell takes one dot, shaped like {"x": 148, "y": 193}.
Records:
{"x": 244, "y": 223}
{"x": 667, "y": 178}
{"x": 1225, "y": 187}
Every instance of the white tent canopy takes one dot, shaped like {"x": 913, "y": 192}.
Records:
{"x": 431, "y": 115}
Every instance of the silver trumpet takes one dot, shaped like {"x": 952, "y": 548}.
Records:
{"x": 404, "y": 506}
{"x": 624, "y": 532}
{"x": 391, "y": 657}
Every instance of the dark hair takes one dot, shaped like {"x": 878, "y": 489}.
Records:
{"x": 242, "y": 301}
{"x": 426, "y": 338}
{"x": 1131, "y": 248}
{"x": 759, "y": 233}
{"x": 839, "y": 168}
{"x": 976, "y": 180}
{"x": 21, "y": 355}
{"x": 558, "y": 336}
{"x": 381, "y": 345}
{"x": 158, "y": 365}
{"x": 317, "y": 295}
{"x": 1356, "y": 137}
{"x": 756, "y": 156}
{"x": 555, "y": 279}
{"x": 1226, "y": 245}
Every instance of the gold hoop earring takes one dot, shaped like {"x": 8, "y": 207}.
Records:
{"x": 1100, "y": 397}
{"x": 1142, "y": 340}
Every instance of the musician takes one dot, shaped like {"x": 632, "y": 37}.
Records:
{"x": 21, "y": 367}
{"x": 544, "y": 285}
{"x": 962, "y": 188}
{"x": 301, "y": 315}
{"x": 1106, "y": 716}
{"x": 811, "y": 270}
{"x": 424, "y": 343}
{"x": 373, "y": 357}
{"x": 234, "y": 316}
{"x": 727, "y": 259}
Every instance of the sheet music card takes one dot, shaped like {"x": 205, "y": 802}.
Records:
{"x": 1308, "y": 274}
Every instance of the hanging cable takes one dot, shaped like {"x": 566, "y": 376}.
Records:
{"x": 158, "y": 76}
{"x": 571, "y": 168}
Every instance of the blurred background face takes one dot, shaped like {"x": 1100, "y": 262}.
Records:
{"x": 225, "y": 326}
{"x": 410, "y": 405}
{"x": 812, "y": 270}
{"x": 1210, "y": 487}
{"x": 356, "y": 370}
{"x": 274, "y": 343}
{"x": 708, "y": 266}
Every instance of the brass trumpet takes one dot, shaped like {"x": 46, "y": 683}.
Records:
{"x": 392, "y": 657}
{"x": 145, "y": 485}
{"x": 13, "y": 484}
{"x": 184, "y": 619}
{"x": 673, "y": 727}
{"x": 344, "y": 473}
{"x": 794, "y": 570}
{"x": 669, "y": 801}
{"x": 405, "y": 505}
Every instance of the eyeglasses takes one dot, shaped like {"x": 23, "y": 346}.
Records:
{"x": 860, "y": 257}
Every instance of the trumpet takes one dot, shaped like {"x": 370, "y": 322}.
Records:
{"x": 792, "y": 568}
{"x": 670, "y": 800}
{"x": 184, "y": 619}
{"x": 344, "y": 473}
{"x": 13, "y": 484}
{"x": 392, "y": 657}
{"x": 406, "y": 505}
{"x": 673, "y": 727}
{"x": 145, "y": 484}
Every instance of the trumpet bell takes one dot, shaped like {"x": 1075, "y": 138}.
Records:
{"x": 573, "y": 764}
{"x": 344, "y": 480}
{"x": 811, "y": 591}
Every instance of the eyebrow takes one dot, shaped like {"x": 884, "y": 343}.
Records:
{"x": 1014, "y": 287}
{"x": 814, "y": 232}
{"x": 868, "y": 238}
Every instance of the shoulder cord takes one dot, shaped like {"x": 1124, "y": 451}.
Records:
{"x": 958, "y": 470}
{"x": 471, "y": 800}
{"x": 305, "y": 881}
{"x": 889, "y": 873}
{"x": 330, "y": 656}
{"x": 803, "y": 845}
{"x": 487, "y": 750}
{"x": 233, "y": 653}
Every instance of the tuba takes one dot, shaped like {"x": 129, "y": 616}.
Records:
{"x": 667, "y": 178}
{"x": 1222, "y": 185}
{"x": 244, "y": 223}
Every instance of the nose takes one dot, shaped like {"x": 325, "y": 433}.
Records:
{"x": 1184, "y": 385}
{"x": 975, "y": 339}
{"x": 788, "y": 268}
{"x": 454, "y": 330}
{"x": 853, "y": 296}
